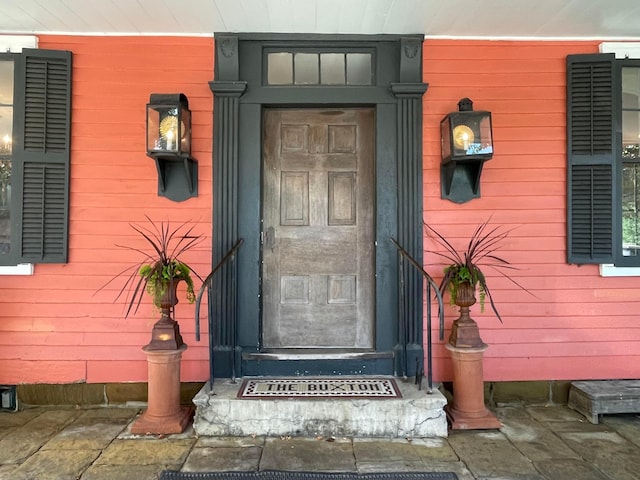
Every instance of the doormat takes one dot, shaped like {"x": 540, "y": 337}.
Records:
{"x": 319, "y": 388}
{"x": 280, "y": 475}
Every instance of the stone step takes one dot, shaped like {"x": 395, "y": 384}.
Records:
{"x": 417, "y": 414}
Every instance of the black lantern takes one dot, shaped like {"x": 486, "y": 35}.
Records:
{"x": 467, "y": 142}
{"x": 169, "y": 144}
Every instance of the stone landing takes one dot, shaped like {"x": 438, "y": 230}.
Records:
{"x": 416, "y": 414}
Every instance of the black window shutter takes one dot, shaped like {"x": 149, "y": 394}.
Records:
{"x": 590, "y": 151}
{"x": 43, "y": 155}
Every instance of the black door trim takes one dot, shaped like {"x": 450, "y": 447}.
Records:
{"x": 239, "y": 96}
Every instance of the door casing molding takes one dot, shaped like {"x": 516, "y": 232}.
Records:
{"x": 239, "y": 98}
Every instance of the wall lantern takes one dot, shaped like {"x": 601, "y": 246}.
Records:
{"x": 169, "y": 144}
{"x": 467, "y": 142}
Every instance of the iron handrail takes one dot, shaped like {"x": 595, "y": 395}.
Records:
{"x": 430, "y": 284}
{"x": 207, "y": 281}
{"x": 206, "y": 284}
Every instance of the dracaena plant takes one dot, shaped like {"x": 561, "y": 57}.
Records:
{"x": 466, "y": 266}
{"x": 160, "y": 266}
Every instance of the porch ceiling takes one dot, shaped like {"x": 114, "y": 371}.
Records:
{"x": 602, "y": 19}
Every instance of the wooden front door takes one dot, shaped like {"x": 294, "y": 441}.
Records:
{"x": 318, "y": 229}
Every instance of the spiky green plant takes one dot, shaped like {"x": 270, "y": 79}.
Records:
{"x": 160, "y": 268}
{"x": 467, "y": 266}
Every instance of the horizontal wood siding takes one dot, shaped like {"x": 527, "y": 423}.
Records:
{"x": 55, "y": 327}
{"x": 579, "y": 325}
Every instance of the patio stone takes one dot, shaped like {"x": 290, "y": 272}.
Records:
{"x": 146, "y": 452}
{"x": 434, "y": 449}
{"x": 223, "y": 459}
{"x": 526, "y": 476}
{"x": 308, "y": 454}
{"x": 607, "y": 451}
{"x": 490, "y": 454}
{"x": 555, "y": 414}
{"x": 22, "y": 443}
{"x": 116, "y": 414}
{"x": 55, "y": 465}
{"x": 381, "y": 455}
{"x": 83, "y": 436}
{"x": 4, "y": 431}
{"x": 94, "y": 429}
{"x": 33, "y": 434}
{"x": 570, "y": 468}
{"x": 580, "y": 427}
{"x": 54, "y": 419}
{"x": 627, "y": 425}
{"x": 15, "y": 419}
{"x": 530, "y": 437}
{"x": 126, "y": 472}
{"x": 459, "y": 468}
{"x": 6, "y": 471}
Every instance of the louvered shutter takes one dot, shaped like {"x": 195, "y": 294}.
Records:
{"x": 43, "y": 155}
{"x": 590, "y": 150}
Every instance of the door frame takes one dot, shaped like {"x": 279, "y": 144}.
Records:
{"x": 239, "y": 98}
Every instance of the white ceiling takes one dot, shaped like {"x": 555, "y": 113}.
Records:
{"x": 588, "y": 19}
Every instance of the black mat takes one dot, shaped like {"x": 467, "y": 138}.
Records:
{"x": 278, "y": 475}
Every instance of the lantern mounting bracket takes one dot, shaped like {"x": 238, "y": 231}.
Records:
{"x": 460, "y": 181}
{"x": 177, "y": 177}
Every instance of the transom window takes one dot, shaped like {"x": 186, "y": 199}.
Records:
{"x": 319, "y": 68}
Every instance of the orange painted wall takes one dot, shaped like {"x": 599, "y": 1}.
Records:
{"x": 580, "y": 325}
{"x": 54, "y": 327}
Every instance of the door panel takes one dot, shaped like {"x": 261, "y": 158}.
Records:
{"x": 318, "y": 233}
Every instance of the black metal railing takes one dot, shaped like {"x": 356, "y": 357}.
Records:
{"x": 206, "y": 284}
{"x": 431, "y": 288}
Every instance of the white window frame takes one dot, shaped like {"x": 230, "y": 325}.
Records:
{"x": 621, "y": 50}
{"x": 15, "y": 44}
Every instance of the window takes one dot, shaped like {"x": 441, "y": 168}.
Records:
{"x": 6, "y": 146}
{"x": 35, "y": 111}
{"x": 630, "y": 160}
{"x": 315, "y": 68}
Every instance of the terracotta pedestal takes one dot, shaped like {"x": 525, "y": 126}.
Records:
{"x": 164, "y": 415}
{"x": 467, "y": 411}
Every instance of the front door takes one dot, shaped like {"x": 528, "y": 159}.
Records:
{"x": 318, "y": 229}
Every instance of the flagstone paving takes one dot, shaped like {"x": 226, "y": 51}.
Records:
{"x": 535, "y": 443}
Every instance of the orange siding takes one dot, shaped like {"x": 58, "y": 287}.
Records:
{"x": 54, "y": 327}
{"x": 580, "y": 325}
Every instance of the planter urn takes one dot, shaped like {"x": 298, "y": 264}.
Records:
{"x": 165, "y": 334}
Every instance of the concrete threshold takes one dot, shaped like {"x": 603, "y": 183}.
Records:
{"x": 417, "y": 414}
